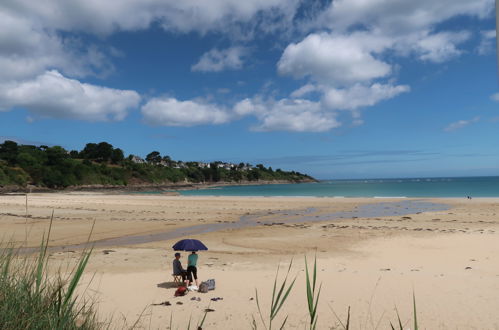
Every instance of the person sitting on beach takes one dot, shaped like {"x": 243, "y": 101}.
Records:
{"x": 192, "y": 270}
{"x": 178, "y": 269}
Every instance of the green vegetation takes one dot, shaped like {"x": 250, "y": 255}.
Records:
{"x": 312, "y": 301}
{"x": 278, "y": 299}
{"x": 31, "y": 299}
{"x": 102, "y": 164}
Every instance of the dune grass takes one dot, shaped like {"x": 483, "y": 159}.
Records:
{"x": 30, "y": 298}
{"x": 277, "y": 301}
{"x": 313, "y": 294}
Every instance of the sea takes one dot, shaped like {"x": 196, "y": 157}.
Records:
{"x": 378, "y": 188}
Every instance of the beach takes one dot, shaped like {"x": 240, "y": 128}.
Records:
{"x": 448, "y": 257}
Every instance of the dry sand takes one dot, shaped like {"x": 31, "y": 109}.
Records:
{"x": 450, "y": 258}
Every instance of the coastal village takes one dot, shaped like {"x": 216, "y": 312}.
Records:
{"x": 180, "y": 164}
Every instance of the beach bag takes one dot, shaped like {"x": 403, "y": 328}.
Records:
{"x": 203, "y": 287}
{"x": 181, "y": 291}
{"x": 211, "y": 284}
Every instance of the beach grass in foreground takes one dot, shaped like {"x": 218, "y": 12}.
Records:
{"x": 30, "y": 298}
{"x": 280, "y": 296}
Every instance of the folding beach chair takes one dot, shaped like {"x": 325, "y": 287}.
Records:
{"x": 177, "y": 279}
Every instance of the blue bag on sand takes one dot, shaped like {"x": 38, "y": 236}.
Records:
{"x": 211, "y": 284}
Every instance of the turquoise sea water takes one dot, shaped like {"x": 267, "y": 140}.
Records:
{"x": 416, "y": 187}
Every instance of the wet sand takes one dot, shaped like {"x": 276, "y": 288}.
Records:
{"x": 449, "y": 257}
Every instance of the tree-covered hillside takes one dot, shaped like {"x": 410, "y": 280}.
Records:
{"x": 102, "y": 164}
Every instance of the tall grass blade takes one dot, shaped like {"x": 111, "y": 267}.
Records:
{"x": 277, "y": 299}
{"x": 285, "y": 296}
{"x": 415, "y": 314}
{"x": 347, "y": 327}
{"x": 280, "y": 293}
{"x": 283, "y": 323}
{"x": 200, "y": 325}
{"x": 398, "y": 319}
{"x": 259, "y": 310}
{"x": 312, "y": 295}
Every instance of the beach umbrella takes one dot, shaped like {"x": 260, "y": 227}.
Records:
{"x": 189, "y": 245}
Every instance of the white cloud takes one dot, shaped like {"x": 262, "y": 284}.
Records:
{"x": 106, "y": 17}
{"x": 53, "y": 95}
{"x": 495, "y": 97}
{"x": 335, "y": 59}
{"x": 295, "y": 115}
{"x": 410, "y": 26}
{"x": 487, "y": 42}
{"x": 168, "y": 111}
{"x": 440, "y": 47}
{"x": 28, "y": 49}
{"x": 460, "y": 124}
{"x": 303, "y": 90}
{"x": 217, "y": 60}
{"x": 350, "y": 57}
{"x": 359, "y": 96}
{"x": 395, "y": 17}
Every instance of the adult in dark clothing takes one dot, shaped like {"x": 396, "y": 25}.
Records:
{"x": 178, "y": 269}
{"x": 192, "y": 270}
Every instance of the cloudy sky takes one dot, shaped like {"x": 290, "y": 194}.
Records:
{"x": 341, "y": 89}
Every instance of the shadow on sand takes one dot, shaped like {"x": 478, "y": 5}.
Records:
{"x": 167, "y": 285}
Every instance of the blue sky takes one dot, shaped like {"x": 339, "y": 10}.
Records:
{"x": 342, "y": 89}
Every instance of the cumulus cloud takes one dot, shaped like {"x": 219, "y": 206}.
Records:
{"x": 295, "y": 115}
{"x": 460, "y": 124}
{"x": 217, "y": 60}
{"x": 40, "y": 56}
{"x": 342, "y": 68}
{"x": 29, "y": 49}
{"x": 168, "y": 111}
{"x": 349, "y": 54}
{"x": 440, "y": 47}
{"x": 406, "y": 27}
{"x": 395, "y": 17}
{"x": 303, "y": 90}
{"x": 487, "y": 42}
{"x": 106, "y": 17}
{"x": 55, "y": 96}
{"x": 335, "y": 59}
{"x": 359, "y": 95}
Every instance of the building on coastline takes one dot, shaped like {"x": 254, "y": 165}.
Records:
{"x": 137, "y": 160}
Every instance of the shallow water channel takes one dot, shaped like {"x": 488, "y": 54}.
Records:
{"x": 383, "y": 209}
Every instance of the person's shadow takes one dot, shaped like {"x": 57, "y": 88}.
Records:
{"x": 167, "y": 285}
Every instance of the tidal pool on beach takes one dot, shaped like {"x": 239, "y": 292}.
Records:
{"x": 381, "y": 209}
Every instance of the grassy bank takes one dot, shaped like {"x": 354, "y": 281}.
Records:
{"x": 102, "y": 164}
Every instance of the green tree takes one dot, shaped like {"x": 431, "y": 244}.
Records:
{"x": 74, "y": 154}
{"x": 153, "y": 157}
{"x": 117, "y": 156}
{"x": 104, "y": 152}
{"x": 8, "y": 151}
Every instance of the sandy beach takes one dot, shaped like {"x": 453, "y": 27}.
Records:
{"x": 449, "y": 258}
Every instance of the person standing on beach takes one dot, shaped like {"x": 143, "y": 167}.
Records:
{"x": 192, "y": 270}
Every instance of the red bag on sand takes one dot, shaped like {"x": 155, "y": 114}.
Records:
{"x": 181, "y": 291}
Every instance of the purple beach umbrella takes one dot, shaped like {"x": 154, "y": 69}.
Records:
{"x": 189, "y": 245}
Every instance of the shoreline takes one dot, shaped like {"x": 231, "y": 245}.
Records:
{"x": 166, "y": 187}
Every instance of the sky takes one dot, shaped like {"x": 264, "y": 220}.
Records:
{"x": 335, "y": 89}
